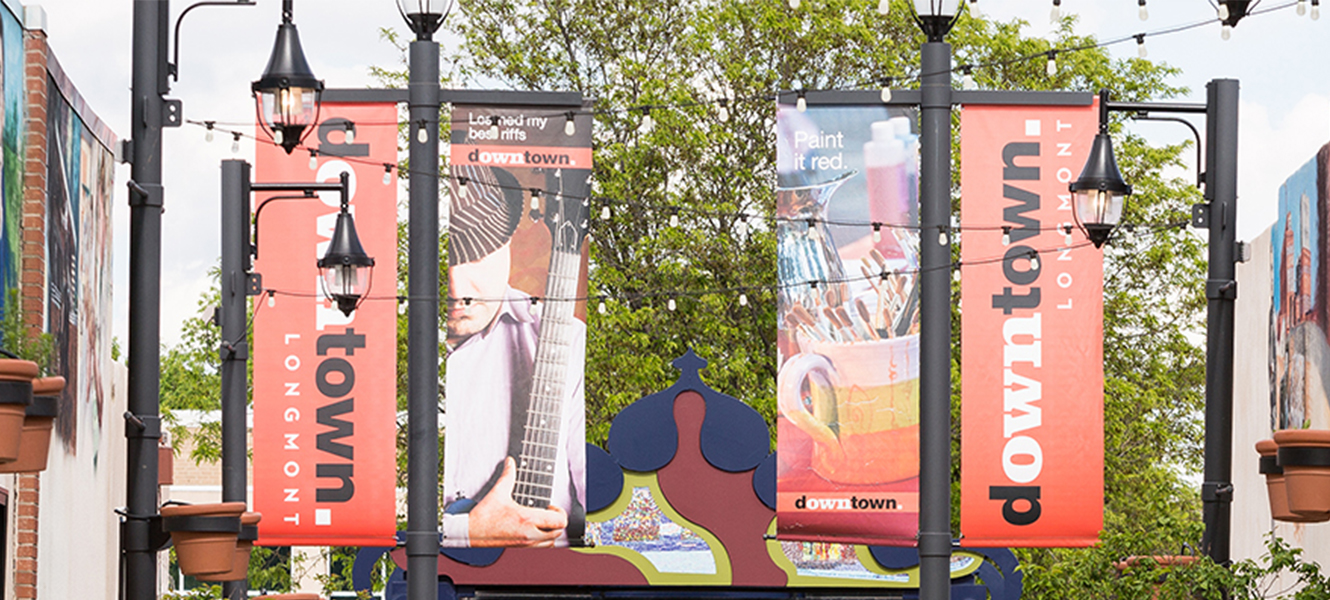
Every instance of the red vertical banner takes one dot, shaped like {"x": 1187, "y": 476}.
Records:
{"x": 324, "y": 382}
{"x": 1032, "y": 435}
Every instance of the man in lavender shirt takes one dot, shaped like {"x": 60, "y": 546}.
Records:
{"x": 492, "y": 337}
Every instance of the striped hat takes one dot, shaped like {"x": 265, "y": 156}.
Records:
{"x": 485, "y": 219}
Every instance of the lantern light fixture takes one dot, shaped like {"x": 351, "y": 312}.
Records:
{"x": 287, "y": 95}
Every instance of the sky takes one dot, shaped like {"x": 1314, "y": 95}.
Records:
{"x": 1279, "y": 59}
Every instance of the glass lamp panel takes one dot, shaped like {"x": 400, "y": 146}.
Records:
{"x": 346, "y": 280}
{"x": 1098, "y": 207}
{"x": 936, "y": 8}
{"x": 421, "y": 7}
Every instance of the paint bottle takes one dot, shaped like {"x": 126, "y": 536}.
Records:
{"x": 888, "y": 193}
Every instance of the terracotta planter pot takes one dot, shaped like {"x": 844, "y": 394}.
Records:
{"x": 1304, "y": 455}
{"x": 204, "y": 535}
{"x": 165, "y": 465}
{"x": 35, "y": 446}
{"x": 15, "y": 396}
{"x": 244, "y": 544}
{"x": 1275, "y": 488}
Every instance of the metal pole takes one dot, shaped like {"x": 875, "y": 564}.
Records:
{"x": 151, "y": 19}
{"x": 935, "y": 323}
{"x": 422, "y": 537}
{"x": 1221, "y": 188}
{"x": 234, "y": 344}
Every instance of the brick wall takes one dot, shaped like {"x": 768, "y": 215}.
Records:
{"x": 32, "y": 285}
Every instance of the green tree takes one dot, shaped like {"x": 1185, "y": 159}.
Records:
{"x": 681, "y": 58}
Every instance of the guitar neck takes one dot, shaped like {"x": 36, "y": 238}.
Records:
{"x": 540, "y": 438}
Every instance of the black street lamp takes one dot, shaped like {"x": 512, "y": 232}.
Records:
{"x": 1099, "y": 193}
{"x": 287, "y": 95}
{"x": 346, "y": 268}
{"x": 422, "y": 368}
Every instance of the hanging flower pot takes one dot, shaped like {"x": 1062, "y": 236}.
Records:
{"x": 15, "y": 395}
{"x": 249, "y": 531}
{"x": 1275, "y": 487}
{"x": 204, "y": 535}
{"x": 38, "y": 419}
{"x": 1304, "y": 455}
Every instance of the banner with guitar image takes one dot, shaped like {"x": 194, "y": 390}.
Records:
{"x": 848, "y": 343}
{"x": 514, "y": 456}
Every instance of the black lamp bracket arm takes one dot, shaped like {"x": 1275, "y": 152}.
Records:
{"x": 173, "y": 66}
{"x": 306, "y": 191}
{"x": 1142, "y": 115}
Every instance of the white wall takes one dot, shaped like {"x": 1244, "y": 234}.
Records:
{"x": 78, "y": 531}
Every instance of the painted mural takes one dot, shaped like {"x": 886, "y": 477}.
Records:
{"x": 13, "y": 109}
{"x": 1299, "y": 365}
{"x": 80, "y": 176}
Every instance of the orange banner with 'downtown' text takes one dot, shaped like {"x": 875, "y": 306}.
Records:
{"x": 325, "y": 467}
{"x": 1032, "y": 449}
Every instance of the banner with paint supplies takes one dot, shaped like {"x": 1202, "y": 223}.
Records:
{"x": 848, "y": 329}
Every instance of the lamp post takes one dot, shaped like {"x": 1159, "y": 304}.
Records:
{"x": 423, "y": 97}
{"x": 1102, "y": 187}
{"x": 935, "y": 18}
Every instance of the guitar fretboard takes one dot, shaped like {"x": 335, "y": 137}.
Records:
{"x": 540, "y": 441}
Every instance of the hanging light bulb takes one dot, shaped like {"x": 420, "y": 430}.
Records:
{"x": 743, "y": 299}
{"x": 967, "y": 78}
{"x": 208, "y": 137}
{"x": 1067, "y": 231}
{"x": 461, "y": 187}
{"x": 422, "y": 135}
{"x": 741, "y": 226}
{"x": 494, "y": 127}
{"x": 272, "y": 299}
{"x": 801, "y": 104}
{"x": 1316, "y": 9}
{"x": 1226, "y": 32}
{"x": 723, "y": 110}
{"x": 671, "y": 304}
{"x": 1006, "y": 236}
{"x": 350, "y": 133}
{"x": 535, "y": 200}
{"x": 942, "y": 236}
{"x": 648, "y": 123}
{"x": 1302, "y": 7}
{"x": 886, "y": 90}
{"x": 605, "y": 213}
{"x": 1055, "y": 14}
{"x": 1143, "y": 12}
{"x": 674, "y": 219}
{"x": 1052, "y": 67}
{"x": 884, "y": 7}
{"x": 569, "y": 126}
{"x": 1223, "y": 11}
{"x": 956, "y": 273}
{"x": 278, "y": 137}
{"x": 877, "y": 232}
{"x": 235, "y": 143}
{"x": 313, "y": 160}
{"x": 387, "y": 174}
{"x": 1140, "y": 45}
{"x": 601, "y": 308}
{"x": 1034, "y": 262}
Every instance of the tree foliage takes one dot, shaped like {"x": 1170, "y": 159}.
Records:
{"x": 633, "y": 53}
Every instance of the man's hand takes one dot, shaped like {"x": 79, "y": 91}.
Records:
{"x": 498, "y": 521}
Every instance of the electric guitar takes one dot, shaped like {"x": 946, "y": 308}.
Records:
{"x": 537, "y": 454}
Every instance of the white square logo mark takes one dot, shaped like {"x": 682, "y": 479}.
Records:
{"x": 1032, "y": 127}
{"x": 322, "y": 516}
